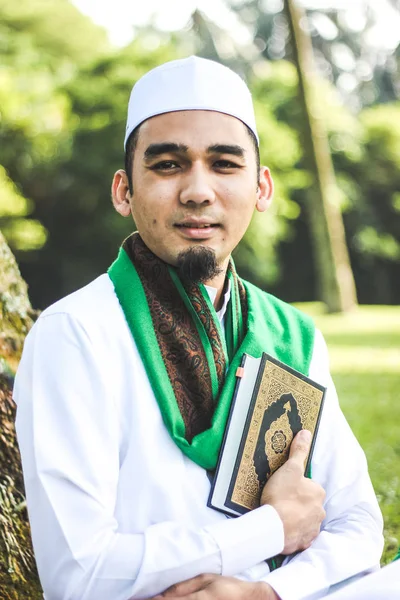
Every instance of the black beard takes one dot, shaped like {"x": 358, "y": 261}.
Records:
{"x": 197, "y": 264}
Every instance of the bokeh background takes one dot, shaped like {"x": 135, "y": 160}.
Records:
{"x": 325, "y": 77}
{"x": 64, "y": 85}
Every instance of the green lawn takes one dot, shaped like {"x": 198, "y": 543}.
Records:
{"x": 364, "y": 349}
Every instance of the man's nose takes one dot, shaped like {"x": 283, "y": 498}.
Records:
{"x": 197, "y": 186}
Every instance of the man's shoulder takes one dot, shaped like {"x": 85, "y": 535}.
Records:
{"x": 290, "y": 333}
{"x": 276, "y": 307}
{"x": 88, "y": 302}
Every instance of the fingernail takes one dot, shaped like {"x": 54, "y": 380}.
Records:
{"x": 305, "y": 435}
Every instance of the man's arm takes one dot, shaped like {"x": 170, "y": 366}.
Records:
{"x": 215, "y": 587}
{"x": 69, "y": 434}
{"x": 351, "y": 535}
{"x": 300, "y": 508}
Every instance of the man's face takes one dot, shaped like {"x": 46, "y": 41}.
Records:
{"x": 194, "y": 183}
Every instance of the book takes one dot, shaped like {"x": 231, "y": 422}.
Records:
{"x": 271, "y": 404}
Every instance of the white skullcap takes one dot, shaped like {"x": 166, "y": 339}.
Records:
{"x": 190, "y": 84}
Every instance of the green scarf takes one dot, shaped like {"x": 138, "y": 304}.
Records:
{"x": 179, "y": 338}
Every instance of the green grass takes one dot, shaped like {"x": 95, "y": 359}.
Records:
{"x": 364, "y": 349}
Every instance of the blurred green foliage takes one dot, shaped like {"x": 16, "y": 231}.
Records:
{"x": 37, "y": 58}
{"x": 63, "y": 100}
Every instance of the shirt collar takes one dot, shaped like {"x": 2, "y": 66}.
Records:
{"x": 212, "y": 292}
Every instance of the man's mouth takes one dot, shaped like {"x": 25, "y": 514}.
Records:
{"x": 196, "y": 230}
{"x": 196, "y": 225}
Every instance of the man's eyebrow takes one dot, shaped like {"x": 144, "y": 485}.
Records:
{"x": 227, "y": 149}
{"x": 164, "y": 148}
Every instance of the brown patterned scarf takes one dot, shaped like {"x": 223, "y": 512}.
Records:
{"x": 178, "y": 337}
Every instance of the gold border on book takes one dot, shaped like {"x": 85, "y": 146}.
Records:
{"x": 274, "y": 383}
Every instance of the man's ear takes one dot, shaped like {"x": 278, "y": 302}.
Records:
{"x": 120, "y": 193}
{"x": 265, "y": 190}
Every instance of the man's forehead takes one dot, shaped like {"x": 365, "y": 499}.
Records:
{"x": 194, "y": 127}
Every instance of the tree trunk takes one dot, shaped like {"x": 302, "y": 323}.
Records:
{"x": 18, "y": 576}
{"x": 335, "y": 277}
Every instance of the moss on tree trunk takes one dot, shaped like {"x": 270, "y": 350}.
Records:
{"x": 18, "y": 575}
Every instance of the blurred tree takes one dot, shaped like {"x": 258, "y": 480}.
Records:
{"x": 24, "y": 233}
{"x": 209, "y": 40}
{"x": 42, "y": 45}
{"x": 365, "y": 153}
{"x": 258, "y": 256}
{"x": 50, "y": 34}
{"x": 18, "y": 577}
{"x": 335, "y": 277}
{"x": 373, "y": 217}
{"x": 364, "y": 73}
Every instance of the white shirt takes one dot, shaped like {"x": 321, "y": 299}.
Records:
{"x": 212, "y": 292}
{"x": 117, "y": 511}
{"x": 382, "y": 585}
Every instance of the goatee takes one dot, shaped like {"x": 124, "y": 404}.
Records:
{"x": 197, "y": 264}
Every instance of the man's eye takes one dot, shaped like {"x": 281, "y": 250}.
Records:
{"x": 226, "y": 164}
{"x": 165, "y": 165}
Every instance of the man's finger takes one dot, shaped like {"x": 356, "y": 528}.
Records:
{"x": 200, "y": 595}
{"x": 189, "y": 586}
{"x": 300, "y": 448}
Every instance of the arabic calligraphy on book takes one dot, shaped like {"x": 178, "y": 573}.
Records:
{"x": 284, "y": 405}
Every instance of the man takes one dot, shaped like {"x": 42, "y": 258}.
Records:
{"x": 124, "y": 387}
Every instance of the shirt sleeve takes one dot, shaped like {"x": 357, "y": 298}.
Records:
{"x": 351, "y": 538}
{"x": 69, "y": 432}
{"x": 382, "y": 584}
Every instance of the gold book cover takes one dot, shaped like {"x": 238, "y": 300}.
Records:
{"x": 283, "y": 402}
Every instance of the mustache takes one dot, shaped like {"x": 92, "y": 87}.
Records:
{"x": 197, "y": 215}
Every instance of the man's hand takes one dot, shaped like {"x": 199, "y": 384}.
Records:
{"x": 298, "y": 500}
{"x": 218, "y": 587}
